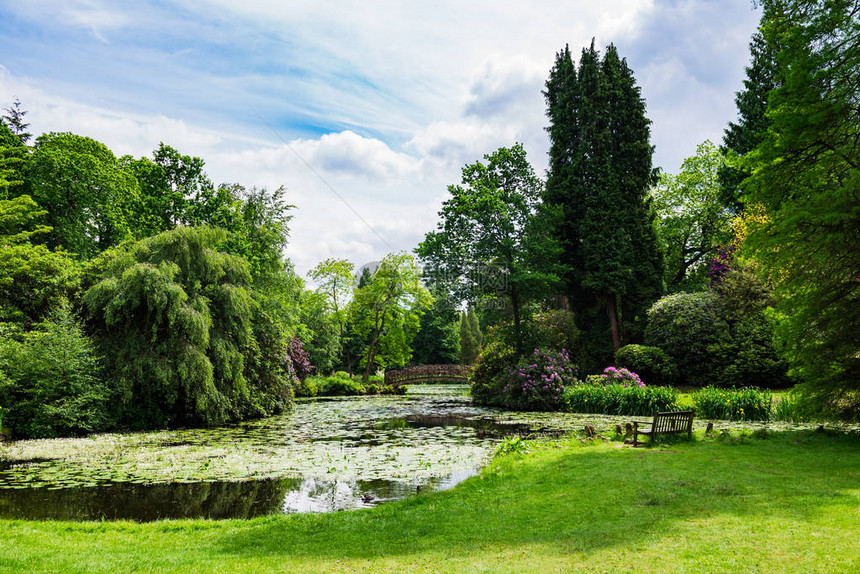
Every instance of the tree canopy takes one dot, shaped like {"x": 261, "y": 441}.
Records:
{"x": 599, "y": 174}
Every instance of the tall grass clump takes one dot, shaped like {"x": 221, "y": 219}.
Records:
{"x": 746, "y": 404}
{"x": 618, "y": 399}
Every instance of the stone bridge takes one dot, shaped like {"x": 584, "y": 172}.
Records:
{"x": 427, "y": 374}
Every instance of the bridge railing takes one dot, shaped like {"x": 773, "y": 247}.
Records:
{"x": 427, "y": 373}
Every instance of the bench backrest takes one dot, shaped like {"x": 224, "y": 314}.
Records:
{"x": 676, "y": 421}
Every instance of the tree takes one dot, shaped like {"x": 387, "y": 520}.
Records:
{"x": 387, "y": 311}
{"x": 14, "y": 119}
{"x": 438, "y": 340}
{"x": 691, "y": 219}
{"x": 13, "y": 155}
{"x": 751, "y": 128}
{"x": 806, "y": 175}
{"x": 490, "y": 241}
{"x": 599, "y": 174}
{"x": 335, "y": 282}
{"x": 52, "y": 385}
{"x": 34, "y": 281}
{"x": 88, "y": 195}
{"x": 185, "y": 339}
{"x": 469, "y": 347}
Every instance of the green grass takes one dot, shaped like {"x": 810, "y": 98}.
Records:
{"x": 787, "y": 503}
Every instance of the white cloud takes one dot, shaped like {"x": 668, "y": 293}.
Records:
{"x": 386, "y": 101}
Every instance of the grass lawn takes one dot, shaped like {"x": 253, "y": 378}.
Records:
{"x": 787, "y": 503}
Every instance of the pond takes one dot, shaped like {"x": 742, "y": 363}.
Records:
{"x": 325, "y": 455}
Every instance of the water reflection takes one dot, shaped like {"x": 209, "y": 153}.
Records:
{"x": 215, "y": 500}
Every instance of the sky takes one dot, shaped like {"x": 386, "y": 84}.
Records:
{"x": 364, "y": 111}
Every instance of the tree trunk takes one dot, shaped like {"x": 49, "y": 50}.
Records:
{"x": 515, "y": 303}
{"x": 612, "y": 313}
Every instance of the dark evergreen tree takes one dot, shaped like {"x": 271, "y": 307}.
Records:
{"x": 751, "y": 128}
{"x": 14, "y": 119}
{"x": 600, "y": 171}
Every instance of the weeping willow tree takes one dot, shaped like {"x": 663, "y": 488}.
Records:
{"x": 184, "y": 336}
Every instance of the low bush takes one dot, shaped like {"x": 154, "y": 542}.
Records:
{"x": 307, "y": 387}
{"x": 616, "y": 399}
{"x": 492, "y": 373}
{"x": 342, "y": 384}
{"x": 747, "y": 404}
{"x": 537, "y": 382}
{"x": 623, "y": 377}
{"x": 652, "y": 364}
{"x": 339, "y": 385}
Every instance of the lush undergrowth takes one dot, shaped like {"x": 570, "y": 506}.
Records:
{"x": 341, "y": 384}
{"x": 787, "y": 503}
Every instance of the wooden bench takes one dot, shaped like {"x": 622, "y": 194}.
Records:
{"x": 676, "y": 422}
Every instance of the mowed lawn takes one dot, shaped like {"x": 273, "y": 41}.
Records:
{"x": 786, "y": 503}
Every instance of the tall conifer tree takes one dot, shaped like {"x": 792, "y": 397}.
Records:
{"x": 750, "y": 130}
{"x": 600, "y": 170}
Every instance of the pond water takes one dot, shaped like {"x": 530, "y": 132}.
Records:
{"x": 325, "y": 455}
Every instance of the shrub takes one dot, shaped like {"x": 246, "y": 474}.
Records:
{"x": 536, "y": 383}
{"x": 307, "y": 387}
{"x": 492, "y": 373}
{"x": 652, "y": 364}
{"x": 338, "y": 385}
{"x": 691, "y": 328}
{"x": 50, "y": 384}
{"x": 747, "y": 404}
{"x": 615, "y": 399}
{"x": 623, "y": 377}
{"x": 300, "y": 359}
{"x": 753, "y": 361}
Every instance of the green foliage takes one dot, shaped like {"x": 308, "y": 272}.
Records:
{"x": 806, "y": 175}
{"x": 335, "y": 283}
{"x": 513, "y": 445}
{"x": 34, "y": 281}
{"x": 387, "y": 311}
{"x": 652, "y": 364}
{"x": 438, "y": 340}
{"x": 618, "y": 399}
{"x": 712, "y": 347}
{"x": 490, "y": 240}
{"x": 307, "y": 388}
{"x": 599, "y": 173}
{"x": 470, "y": 337}
{"x": 691, "y": 220}
{"x": 13, "y": 119}
{"x": 742, "y": 292}
{"x": 762, "y": 77}
{"x": 492, "y": 373}
{"x": 691, "y": 328}
{"x": 50, "y": 380}
{"x": 185, "y": 340}
{"x": 13, "y": 155}
{"x": 339, "y": 385}
{"x": 90, "y": 198}
{"x": 746, "y": 404}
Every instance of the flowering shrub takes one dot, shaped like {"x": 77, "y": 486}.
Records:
{"x": 623, "y": 377}
{"x": 299, "y": 359}
{"x": 538, "y": 381}
{"x": 617, "y": 399}
{"x": 747, "y": 404}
